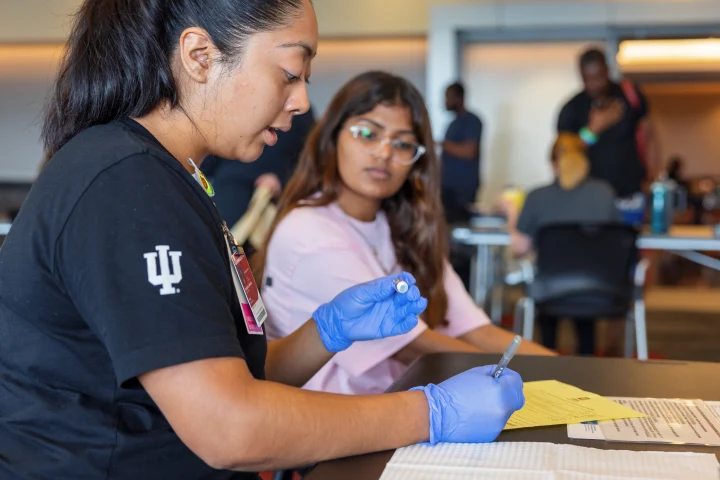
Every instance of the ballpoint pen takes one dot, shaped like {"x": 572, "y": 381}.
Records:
{"x": 507, "y": 356}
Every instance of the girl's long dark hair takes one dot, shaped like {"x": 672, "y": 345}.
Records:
{"x": 118, "y": 59}
{"x": 415, "y": 214}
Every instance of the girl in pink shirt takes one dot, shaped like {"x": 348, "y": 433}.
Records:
{"x": 365, "y": 202}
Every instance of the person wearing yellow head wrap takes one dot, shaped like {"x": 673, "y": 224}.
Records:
{"x": 570, "y": 161}
{"x": 571, "y": 197}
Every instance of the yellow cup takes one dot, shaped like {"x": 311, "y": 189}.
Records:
{"x": 515, "y": 196}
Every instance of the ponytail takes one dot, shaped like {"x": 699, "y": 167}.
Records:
{"x": 115, "y": 66}
{"x": 118, "y": 57}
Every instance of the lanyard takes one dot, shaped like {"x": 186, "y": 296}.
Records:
{"x": 200, "y": 178}
{"x": 253, "y": 309}
{"x": 205, "y": 184}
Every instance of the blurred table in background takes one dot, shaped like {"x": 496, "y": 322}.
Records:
{"x": 489, "y": 236}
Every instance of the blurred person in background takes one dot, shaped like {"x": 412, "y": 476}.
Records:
{"x": 612, "y": 120}
{"x": 365, "y": 200}
{"x": 676, "y": 173}
{"x": 460, "y": 158}
{"x": 460, "y": 171}
{"x": 234, "y": 182}
{"x": 572, "y": 197}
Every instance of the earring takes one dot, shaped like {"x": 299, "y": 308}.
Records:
{"x": 418, "y": 183}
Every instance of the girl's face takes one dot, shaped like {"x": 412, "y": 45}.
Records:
{"x": 239, "y": 107}
{"x": 376, "y": 150}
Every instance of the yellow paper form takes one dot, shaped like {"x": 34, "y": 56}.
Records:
{"x": 550, "y": 402}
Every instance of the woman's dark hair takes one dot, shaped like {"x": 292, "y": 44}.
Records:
{"x": 458, "y": 89}
{"x": 118, "y": 59}
{"x": 415, "y": 214}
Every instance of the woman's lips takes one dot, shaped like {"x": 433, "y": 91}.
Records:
{"x": 378, "y": 173}
{"x": 271, "y": 137}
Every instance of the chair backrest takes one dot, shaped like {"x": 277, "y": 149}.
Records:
{"x": 588, "y": 258}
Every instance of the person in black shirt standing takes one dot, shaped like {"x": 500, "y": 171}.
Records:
{"x": 131, "y": 331}
{"x": 460, "y": 156}
{"x": 460, "y": 170}
{"x": 612, "y": 119}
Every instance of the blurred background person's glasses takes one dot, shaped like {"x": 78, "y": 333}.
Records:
{"x": 404, "y": 152}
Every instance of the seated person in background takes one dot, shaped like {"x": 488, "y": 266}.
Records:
{"x": 234, "y": 182}
{"x": 572, "y": 197}
{"x": 365, "y": 201}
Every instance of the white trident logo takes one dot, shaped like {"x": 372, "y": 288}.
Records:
{"x": 166, "y": 279}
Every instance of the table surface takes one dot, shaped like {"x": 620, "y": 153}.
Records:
{"x": 604, "y": 376}
{"x": 680, "y": 237}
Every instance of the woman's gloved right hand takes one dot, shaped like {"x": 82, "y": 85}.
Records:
{"x": 473, "y": 407}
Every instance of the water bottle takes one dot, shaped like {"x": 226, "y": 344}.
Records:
{"x": 663, "y": 191}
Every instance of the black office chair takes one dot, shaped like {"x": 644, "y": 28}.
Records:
{"x": 587, "y": 270}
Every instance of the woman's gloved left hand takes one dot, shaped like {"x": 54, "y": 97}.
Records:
{"x": 369, "y": 311}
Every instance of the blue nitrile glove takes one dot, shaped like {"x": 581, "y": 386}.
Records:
{"x": 473, "y": 407}
{"x": 369, "y": 311}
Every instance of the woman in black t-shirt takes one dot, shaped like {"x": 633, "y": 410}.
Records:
{"x": 128, "y": 346}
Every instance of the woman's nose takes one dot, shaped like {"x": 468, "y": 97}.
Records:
{"x": 385, "y": 150}
{"x": 299, "y": 102}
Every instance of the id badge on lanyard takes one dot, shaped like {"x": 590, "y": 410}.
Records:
{"x": 253, "y": 308}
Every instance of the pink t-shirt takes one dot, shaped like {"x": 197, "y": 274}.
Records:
{"x": 316, "y": 253}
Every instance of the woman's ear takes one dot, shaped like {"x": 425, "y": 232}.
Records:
{"x": 196, "y": 53}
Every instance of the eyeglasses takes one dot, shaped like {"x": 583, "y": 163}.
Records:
{"x": 406, "y": 153}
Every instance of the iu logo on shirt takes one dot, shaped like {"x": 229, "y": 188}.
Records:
{"x": 165, "y": 278}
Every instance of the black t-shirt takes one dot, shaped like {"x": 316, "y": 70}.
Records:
{"x": 615, "y": 157}
{"x": 458, "y": 173}
{"x": 115, "y": 266}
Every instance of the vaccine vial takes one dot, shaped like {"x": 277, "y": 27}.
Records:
{"x": 401, "y": 285}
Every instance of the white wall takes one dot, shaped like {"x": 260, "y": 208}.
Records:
{"x": 35, "y": 20}
{"x": 339, "y": 60}
{"x": 47, "y": 20}
{"x": 409, "y": 17}
{"x": 26, "y": 74}
{"x": 518, "y": 89}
